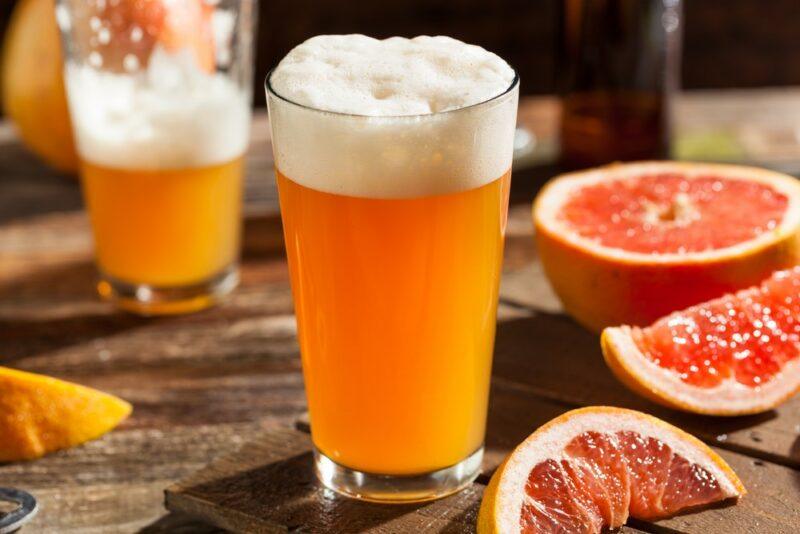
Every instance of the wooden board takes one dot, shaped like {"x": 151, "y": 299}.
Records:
{"x": 269, "y": 486}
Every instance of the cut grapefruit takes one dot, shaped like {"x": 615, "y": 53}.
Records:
{"x": 594, "y": 467}
{"x": 629, "y": 243}
{"x": 738, "y": 354}
{"x": 40, "y": 414}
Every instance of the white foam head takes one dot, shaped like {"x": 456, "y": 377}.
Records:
{"x": 170, "y": 115}
{"x": 392, "y": 118}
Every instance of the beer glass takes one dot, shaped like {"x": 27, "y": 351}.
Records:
{"x": 159, "y": 95}
{"x": 395, "y": 275}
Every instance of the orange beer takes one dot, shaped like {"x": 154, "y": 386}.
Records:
{"x": 395, "y": 301}
{"x": 173, "y": 227}
{"x": 161, "y": 116}
{"x": 393, "y": 168}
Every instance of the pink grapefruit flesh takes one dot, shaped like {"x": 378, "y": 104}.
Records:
{"x": 733, "y": 355}
{"x": 593, "y": 468}
{"x": 666, "y": 213}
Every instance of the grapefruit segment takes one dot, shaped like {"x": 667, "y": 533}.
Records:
{"x": 40, "y": 414}
{"x": 629, "y": 243}
{"x": 592, "y": 468}
{"x": 738, "y": 354}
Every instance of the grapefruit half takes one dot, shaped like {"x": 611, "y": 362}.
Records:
{"x": 629, "y": 243}
{"x": 738, "y": 354}
{"x": 594, "y": 467}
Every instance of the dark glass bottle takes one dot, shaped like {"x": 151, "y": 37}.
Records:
{"x": 618, "y": 65}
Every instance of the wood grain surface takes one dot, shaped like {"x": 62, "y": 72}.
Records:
{"x": 208, "y": 384}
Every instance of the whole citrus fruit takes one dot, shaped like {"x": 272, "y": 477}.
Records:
{"x": 32, "y": 84}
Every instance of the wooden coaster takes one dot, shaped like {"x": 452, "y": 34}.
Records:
{"x": 269, "y": 486}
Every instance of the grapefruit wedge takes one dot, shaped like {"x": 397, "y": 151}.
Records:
{"x": 738, "y": 354}
{"x": 40, "y": 414}
{"x": 592, "y": 468}
{"x": 629, "y": 243}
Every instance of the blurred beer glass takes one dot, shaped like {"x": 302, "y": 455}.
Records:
{"x": 619, "y": 64}
{"x": 394, "y": 222}
{"x": 159, "y": 94}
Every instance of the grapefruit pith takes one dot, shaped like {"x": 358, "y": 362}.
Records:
{"x": 629, "y": 243}
{"x": 734, "y": 355}
{"x": 594, "y": 467}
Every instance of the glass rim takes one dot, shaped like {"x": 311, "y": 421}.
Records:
{"x": 270, "y": 90}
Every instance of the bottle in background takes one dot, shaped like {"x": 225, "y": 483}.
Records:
{"x": 618, "y": 66}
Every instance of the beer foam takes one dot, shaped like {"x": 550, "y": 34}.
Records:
{"x": 392, "y": 118}
{"x": 170, "y": 115}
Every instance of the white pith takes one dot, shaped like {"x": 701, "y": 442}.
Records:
{"x": 729, "y": 397}
{"x": 550, "y": 201}
{"x": 550, "y": 441}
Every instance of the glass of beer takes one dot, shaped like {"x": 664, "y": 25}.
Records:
{"x": 393, "y": 163}
{"x": 159, "y": 94}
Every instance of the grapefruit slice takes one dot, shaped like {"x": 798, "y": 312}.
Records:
{"x": 738, "y": 354}
{"x": 627, "y": 244}
{"x": 40, "y": 414}
{"x": 594, "y": 467}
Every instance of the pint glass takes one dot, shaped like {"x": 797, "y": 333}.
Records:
{"x": 159, "y": 94}
{"x": 394, "y": 232}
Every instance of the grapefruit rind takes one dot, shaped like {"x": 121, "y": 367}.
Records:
{"x": 603, "y": 286}
{"x": 664, "y": 386}
{"x": 546, "y": 209}
{"x": 40, "y": 414}
{"x": 504, "y": 497}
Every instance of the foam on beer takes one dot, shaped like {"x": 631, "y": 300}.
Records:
{"x": 170, "y": 115}
{"x": 392, "y": 118}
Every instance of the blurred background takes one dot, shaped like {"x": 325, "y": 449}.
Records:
{"x": 727, "y": 43}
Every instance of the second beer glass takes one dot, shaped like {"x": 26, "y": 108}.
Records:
{"x": 159, "y": 95}
{"x": 394, "y": 230}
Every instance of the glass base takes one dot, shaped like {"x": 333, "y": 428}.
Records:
{"x": 397, "y": 488}
{"x": 144, "y": 299}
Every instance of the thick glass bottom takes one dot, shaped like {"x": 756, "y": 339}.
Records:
{"x": 144, "y": 299}
{"x": 397, "y": 488}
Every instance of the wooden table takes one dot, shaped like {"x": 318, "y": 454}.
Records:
{"x": 205, "y": 384}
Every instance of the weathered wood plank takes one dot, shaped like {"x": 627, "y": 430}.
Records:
{"x": 269, "y": 486}
{"x": 115, "y": 484}
{"x": 771, "y": 506}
